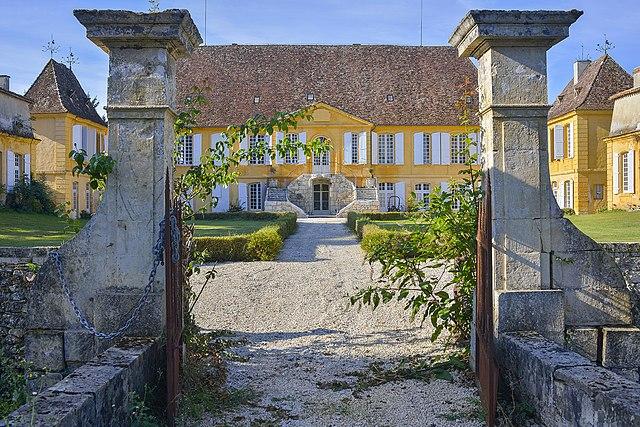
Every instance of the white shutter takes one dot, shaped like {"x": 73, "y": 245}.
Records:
{"x": 269, "y": 142}
{"x": 445, "y": 148}
{"x": 27, "y": 167}
{"x": 632, "y": 170}
{"x": 362, "y": 146}
{"x": 374, "y": 148}
{"x": 418, "y": 148}
{"x": 85, "y": 138}
{"x": 106, "y": 144}
{"x": 346, "y": 151}
{"x": 558, "y": 142}
{"x": 244, "y": 145}
{"x": 570, "y": 140}
{"x": 435, "y": 149}
{"x": 399, "y": 142}
{"x": 444, "y": 186}
{"x": 561, "y": 194}
{"x": 473, "y": 147}
{"x": 197, "y": 148}
{"x": 302, "y": 138}
{"x": 242, "y": 196}
{"x": 11, "y": 168}
{"x": 399, "y": 188}
{"x": 222, "y": 194}
{"x": 76, "y": 139}
{"x": 616, "y": 172}
{"x": 279, "y": 139}
{"x": 91, "y": 142}
{"x": 215, "y": 139}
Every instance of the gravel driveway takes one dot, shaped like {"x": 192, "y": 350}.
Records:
{"x": 304, "y": 342}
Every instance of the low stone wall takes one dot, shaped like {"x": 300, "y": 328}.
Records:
{"x": 564, "y": 387}
{"x": 627, "y": 257}
{"x": 283, "y": 206}
{"x": 15, "y": 281}
{"x": 35, "y": 255}
{"x": 98, "y": 393}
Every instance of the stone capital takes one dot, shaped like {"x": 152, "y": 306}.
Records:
{"x": 481, "y": 30}
{"x": 172, "y": 29}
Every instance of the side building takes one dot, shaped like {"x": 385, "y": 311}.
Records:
{"x": 64, "y": 118}
{"x": 389, "y": 112}
{"x": 579, "y": 120}
{"x": 17, "y": 141}
{"x": 623, "y": 146}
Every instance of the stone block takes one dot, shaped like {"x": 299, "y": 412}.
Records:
{"x": 149, "y": 322}
{"x": 79, "y": 345}
{"x": 597, "y": 306}
{"x": 540, "y": 311}
{"x": 583, "y": 341}
{"x": 586, "y": 269}
{"x": 45, "y": 350}
{"x": 621, "y": 347}
{"x": 56, "y": 409}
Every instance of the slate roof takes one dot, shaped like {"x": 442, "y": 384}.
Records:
{"x": 57, "y": 90}
{"x": 425, "y": 81}
{"x": 597, "y": 83}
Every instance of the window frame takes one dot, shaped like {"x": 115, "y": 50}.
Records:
{"x": 186, "y": 150}
{"x": 75, "y": 198}
{"x": 386, "y": 149}
{"x": 355, "y": 148}
{"x": 254, "y": 196}
{"x": 624, "y": 172}
{"x": 426, "y": 148}
{"x": 567, "y": 194}
{"x": 423, "y": 191}
{"x": 291, "y": 157}
{"x": 597, "y": 193}
{"x": 456, "y": 149}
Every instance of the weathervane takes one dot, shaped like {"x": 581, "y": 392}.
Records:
{"x": 154, "y": 6}
{"x": 606, "y": 46}
{"x": 50, "y": 47}
{"x": 70, "y": 59}
{"x": 583, "y": 57}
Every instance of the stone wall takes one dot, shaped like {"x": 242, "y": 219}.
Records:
{"x": 627, "y": 257}
{"x": 98, "y": 393}
{"x": 15, "y": 281}
{"x": 36, "y": 255}
{"x": 341, "y": 191}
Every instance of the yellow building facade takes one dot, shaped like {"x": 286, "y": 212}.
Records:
{"x": 388, "y": 111}
{"x": 578, "y": 122}
{"x": 623, "y": 145}
{"x": 17, "y": 141}
{"x": 64, "y": 119}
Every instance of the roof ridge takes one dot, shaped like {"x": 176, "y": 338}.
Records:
{"x": 57, "y": 84}
{"x": 593, "y": 80}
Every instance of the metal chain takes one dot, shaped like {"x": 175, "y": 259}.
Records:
{"x": 158, "y": 252}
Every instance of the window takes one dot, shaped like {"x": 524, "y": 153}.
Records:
{"x": 426, "y": 148}
{"x": 185, "y": 152}
{"x": 354, "y": 148}
{"x": 554, "y": 188}
{"x": 598, "y": 192}
{"x": 321, "y": 159}
{"x": 386, "y": 195}
{"x": 255, "y": 196}
{"x": 256, "y": 142}
{"x": 75, "y": 203}
{"x": 422, "y": 191}
{"x": 386, "y": 148}
{"x": 625, "y": 172}
{"x": 87, "y": 197}
{"x": 17, "y": 170}
{"x": 567, "y": 195}
{"x": 291, "y": 157}
{"x": 458, "y": 155}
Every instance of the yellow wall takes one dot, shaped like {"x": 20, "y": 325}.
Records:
{"x": 621, "y": 144}
{"x": 19, "y": 145}
{"x": 332, "y": 123}
{"x": 589, "y": 165}
{"x": 54, "y": 165}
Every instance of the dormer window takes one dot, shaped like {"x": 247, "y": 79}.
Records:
{"x": 469, "y": 99}
{"x": 560, "y": 97}
{"x": 311, "y": 97}
{"x": 256, "y": 99}
{"x": 390, "y": 97}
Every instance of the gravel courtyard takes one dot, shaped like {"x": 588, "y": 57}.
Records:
{"x": 303, "y": 342}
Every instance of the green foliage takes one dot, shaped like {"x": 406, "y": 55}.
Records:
{"x": 31, "y": 196}
{"x": 98, "y": 168}
{"x": 140, "y": 415}
{"x": 353, "y": 217}
{"x": 13, "y": 385}
{"x": 413, "y": 262}
{"x": 568, "y": 211}
{"x": 264, "y": 244}
{"x": 374, "y": 236}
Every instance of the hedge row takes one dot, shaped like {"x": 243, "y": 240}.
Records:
{"x": 374, "y": 236}
{"x": 261, "y": 245}
{"x": 357, "y": 220}
{"x": 248, "y": 215}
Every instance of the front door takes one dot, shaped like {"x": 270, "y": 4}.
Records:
{"x": 320, "y": 199}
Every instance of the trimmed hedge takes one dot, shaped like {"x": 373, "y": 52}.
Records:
{"x": 357, "y": 220}
{"x": 261, "y": 245}
{"x": 374, "y": 236}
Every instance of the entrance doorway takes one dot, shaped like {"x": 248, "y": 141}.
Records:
{"x": 321, "y": 199}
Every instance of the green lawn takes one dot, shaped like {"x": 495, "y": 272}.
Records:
{"x": 614, "y": 226}
{"x": 225, "y": 227}
{"x": 23, "y": 229}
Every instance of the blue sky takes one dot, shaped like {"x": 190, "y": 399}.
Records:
{"x": 27, "y": 25}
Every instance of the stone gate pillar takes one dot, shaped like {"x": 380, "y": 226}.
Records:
{"x": 107, "y": 265}
{"x": 511, "y": 49}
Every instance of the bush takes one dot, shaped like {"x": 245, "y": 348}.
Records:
{"x": 568, "y": 211}
{"x": 353, "y": 217}
{"x": 31, "y": 196}
{"x": 261, "y": 245}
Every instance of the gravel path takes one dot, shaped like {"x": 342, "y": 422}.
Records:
{"x": 303, "y": 340}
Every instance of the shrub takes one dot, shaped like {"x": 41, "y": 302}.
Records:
{"x": 265, "y": 244}
{"x": 568, "y": 211}
{"x": 31, "y": 196}
{"x": 223, "y": 248}
{"x": 353, "y": 217}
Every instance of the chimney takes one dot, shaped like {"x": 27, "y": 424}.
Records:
{"x": 578, "y": 68}
{"x": 636, "y": 77}
{"x": 4, "y": 82}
